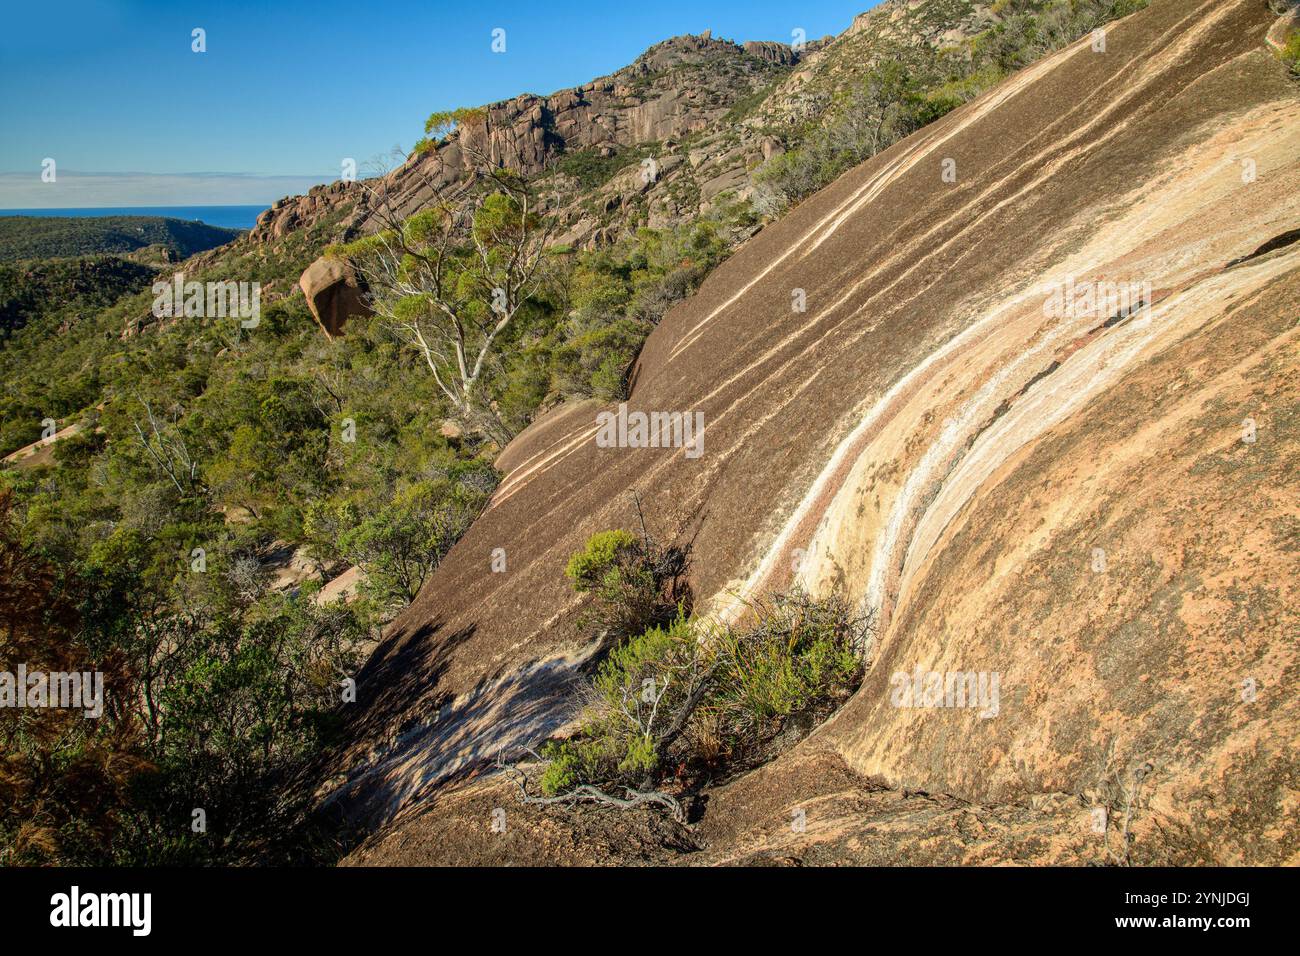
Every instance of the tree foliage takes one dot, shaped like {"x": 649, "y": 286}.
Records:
{"x": 456, "y": 281}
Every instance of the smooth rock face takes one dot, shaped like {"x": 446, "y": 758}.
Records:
{"x": 1098, "y": 506}
{"x": 334, "y": 293}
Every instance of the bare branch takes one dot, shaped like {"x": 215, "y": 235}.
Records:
{"x": 589, "y": 794}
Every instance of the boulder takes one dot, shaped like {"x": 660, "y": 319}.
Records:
{"x": 334, "y": 291}
{"x": 342, "y": 588}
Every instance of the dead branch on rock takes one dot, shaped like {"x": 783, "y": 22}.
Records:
{"x": 586, "y": 793}
{"x": 1131, "y": 797}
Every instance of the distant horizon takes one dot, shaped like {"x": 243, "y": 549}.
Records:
{"x": 223, "y": 215}
{"x": 186, "y": 205}
{"x": 76, "y": 189}
{"x": 196, "y": 205}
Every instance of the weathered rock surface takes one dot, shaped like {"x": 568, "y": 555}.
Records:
{"x": 334, "y": 292}
{"x": 1096, "y": 505}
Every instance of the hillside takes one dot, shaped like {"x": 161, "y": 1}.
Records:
{"x": 1052, "y": 495}
{"x": 46, "y": 237}
{"x": 74, "y": 285}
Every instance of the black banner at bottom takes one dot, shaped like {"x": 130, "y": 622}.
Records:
{"x": 338, "y": 905}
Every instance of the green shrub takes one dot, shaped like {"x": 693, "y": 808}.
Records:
{"x": 685, "y": 702}
{"x": 598, "y": 558}
{"x": 591, "y": 170}
{"x": 636, "y": 583}
{"x": 637, "y": 691}
{"x": 797, "y": 658}
{"x": 442, "y": 123}
{"x": 402, "y": 543}
{"x": 1291, "y": 52}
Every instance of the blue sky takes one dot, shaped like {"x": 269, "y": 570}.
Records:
{"x": 132, "y": 116}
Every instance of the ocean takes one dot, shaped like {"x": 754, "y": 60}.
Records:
{"x": 232, "y": 217}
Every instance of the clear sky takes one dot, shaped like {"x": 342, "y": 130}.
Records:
{"x": 113, "y": 92}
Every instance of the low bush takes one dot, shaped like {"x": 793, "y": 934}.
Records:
{"x": 684, "y": 703}
{"x": 403, "y": 542}
{"x": 637, "y": 583}
{"x": 1291, "y": 53}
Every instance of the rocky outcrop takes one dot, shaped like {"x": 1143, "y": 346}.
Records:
{"x": 1095, "y": 503}
{"x": 679, "y": 88}
{"x": 41, "y": 451}
{"x": 782, "y": 54}
{"x": 345, "y": 587}
{"x": 296, "y": 212}
{"x": 335, "y": 292}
